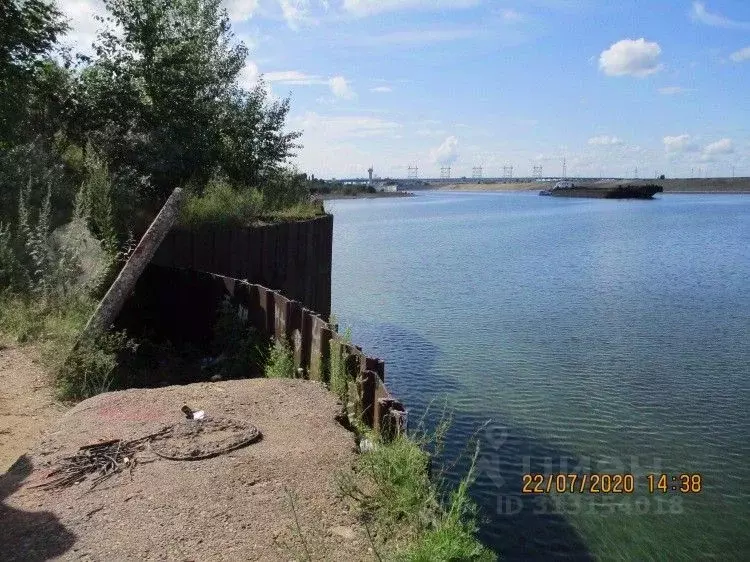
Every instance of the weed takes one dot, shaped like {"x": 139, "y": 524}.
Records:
{"x": 338, "y": 380}
{"x": 90, "y": 368}
{"x": 280, "y": 363}
{"x": 297, "y": 526}
{"x": 395, "y": 492}
{"x": 242, "y": 348}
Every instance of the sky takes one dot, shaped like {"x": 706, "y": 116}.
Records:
{"x": 657, "y": 86}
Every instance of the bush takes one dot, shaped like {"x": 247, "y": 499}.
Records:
{"x": 221, "y": 203}
{"x": 280, "y": 363}
{"x": 242, "y": 348}
{"x": 90, "y": 369}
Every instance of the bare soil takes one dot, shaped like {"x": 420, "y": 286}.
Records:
{"x": 27, "y": 404}
{"x": 236, "y": 506}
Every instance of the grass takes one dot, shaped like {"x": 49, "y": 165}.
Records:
{"x": 280, "y": 364}
{"x": 223, "y": 204}
{"x": 398, "y": 497}
{"x": 55, "y": 326}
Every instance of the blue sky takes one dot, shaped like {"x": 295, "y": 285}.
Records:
{"x": 610, "y": 86}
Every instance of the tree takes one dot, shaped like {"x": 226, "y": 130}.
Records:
{"x": 254, "y": 144}
{"x": 161, "y": 98}
{"x": 28, "y": 31}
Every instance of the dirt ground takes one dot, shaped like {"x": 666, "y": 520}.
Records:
{"x": 240, "y": 505}
{"x": 26, "y": 402}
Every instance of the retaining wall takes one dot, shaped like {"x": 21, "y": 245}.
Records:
{"x": 292, "y": 257}
{"x": 182, "y": 306}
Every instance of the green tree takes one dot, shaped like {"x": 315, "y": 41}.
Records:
{"x": 255, "y": 146}
{"x": 28, "y": 31}
{"x": 161, "y": 98}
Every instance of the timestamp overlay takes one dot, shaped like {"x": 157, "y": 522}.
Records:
{"x": 599, "y": 337}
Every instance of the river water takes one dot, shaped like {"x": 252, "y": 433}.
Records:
{"x": 578, "y": 336}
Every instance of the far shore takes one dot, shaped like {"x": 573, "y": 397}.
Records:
{"x": 377, "y": 195}
{"x": 676, "y": 185}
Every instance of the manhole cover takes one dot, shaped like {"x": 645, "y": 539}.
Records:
{"x": 202, "y": 439}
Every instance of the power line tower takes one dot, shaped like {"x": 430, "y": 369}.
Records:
{"x": 565, "y": 168}
{"x": 732, "y": 171}
{"x": 413, "y": 172}
{"x": 635, "y": 174}
{"x": 476, "y": 172}
{"x": 445, "y": 173}
{"x": 508, "y": 172}
{"x": 538, "y": 172}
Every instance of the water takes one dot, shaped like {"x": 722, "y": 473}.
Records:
{"x": 598, "y": 336}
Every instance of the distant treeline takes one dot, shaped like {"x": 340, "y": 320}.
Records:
{"x": 323, "y": 187}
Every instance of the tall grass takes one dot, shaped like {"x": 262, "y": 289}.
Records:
{"x": 222, "y": 203}
{"x": 414, "y": 517}
{"x": 280, "y": 363}
{"x": 49, "y": 281}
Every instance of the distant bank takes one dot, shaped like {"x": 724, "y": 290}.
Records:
{"x": 677, "y": 185}
{"x": 364, "y": 195}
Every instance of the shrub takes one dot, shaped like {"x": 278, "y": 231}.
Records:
{"x": 241, "y": 347}
{"x": 280, "y": 363}
{"x": 90, "y": 368}
{"x": 221, "y": 203}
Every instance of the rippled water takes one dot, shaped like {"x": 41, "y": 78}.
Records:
{"x": 607, "y": 336}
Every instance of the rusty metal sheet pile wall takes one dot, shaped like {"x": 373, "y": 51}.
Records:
{"x": 182, "y": 305}
{"x": 291, "y": 257}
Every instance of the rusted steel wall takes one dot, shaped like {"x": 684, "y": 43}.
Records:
{"x": 182, "y": 305}
{"x": 292, "y": 257}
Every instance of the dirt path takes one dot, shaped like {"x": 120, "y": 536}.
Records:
{"x": 26, "y": 402}
{"x": 241, "y": 505}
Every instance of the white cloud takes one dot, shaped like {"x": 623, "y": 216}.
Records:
{"x": 510, "y": 16}
{"x": 631, "y": 57}
{"x": 447, "y": 153}
{"x": 672, "y": 90}
{"x": 83, "y": 26}
{"x": 605, "y": 140}
{"x": 699, "y": 14}
{"x": 430, "y": 132}
{"x": 295, "y": 12}
{"x": 370, "y": 7}
{"x": 336, "y": 127}
{"x": 241, "y": 10}
{"x": 341, "y": 88}
{"x": 382, "y": 89}
{"x": 249, "y": 75}
{"x": 741, "y": 55}
{"x": 723, "y": 146}
{"x": 294, "y": 77}
{"x": 679, "y": 144}
{"x": 420, "y": 36}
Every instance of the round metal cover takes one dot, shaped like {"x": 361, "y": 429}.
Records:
{"x": 192, "y": 440}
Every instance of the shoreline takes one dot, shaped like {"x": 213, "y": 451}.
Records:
{"x": 379, "y": 195}
{"x": 688, "y": 186}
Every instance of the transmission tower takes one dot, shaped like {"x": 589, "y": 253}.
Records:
{"x": 565, "y": 169}
{"x": 538, "y": 172}
{"x": 635, "y": 174}
{"x": 413, "y": 172}
{"x": 445, "y": 173}
{"x": 476, "y": 172}
{"x": 508, "y": 172}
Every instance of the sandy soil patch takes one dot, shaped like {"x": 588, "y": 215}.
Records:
{"x": 27, "y": 405}
{"x": 235, "y": 506}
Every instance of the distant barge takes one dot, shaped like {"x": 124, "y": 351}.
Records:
{"x": 603, "y": 191}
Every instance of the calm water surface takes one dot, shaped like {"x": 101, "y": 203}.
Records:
{"x": 598, "y": 336}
